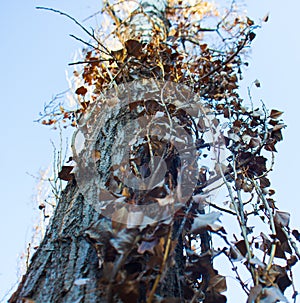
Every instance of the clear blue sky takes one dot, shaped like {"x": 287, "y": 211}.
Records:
{"x": 35, "y": 49}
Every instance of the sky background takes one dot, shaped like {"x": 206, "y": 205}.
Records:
{"x": 35, "y": 50}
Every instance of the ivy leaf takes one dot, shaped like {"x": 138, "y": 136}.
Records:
{"x": 265, "y": 18}
{"x": 81, "y": 91}
{"x": 217, "y": 283}
{"x": 275, "y": 114}
{"x": 206, "y": 221}
{"x": 65, "y": 173}
{"x": 282, "y": 218}
{"x": 254, "y": 293}
{"x": 272, "y": 294}
{"x": 134, "y": 48}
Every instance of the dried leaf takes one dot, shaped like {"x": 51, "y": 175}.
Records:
{"x": 282, "y": 218}
{"x": 124, "y": 241}
{"x": 128, "y": 291}
{"x": 203, "y": 47}
{"x": 217, "y": 283}
{"x": 134, "y": 48}
{"x": 249, "y": 21}
{"x": 265, "y": 18}
{"x": 257, "y": 83}
{"x": 275, "y": 114}
{"x": 147, "y": 246}
{"x": 120, "y": 54}
{"x": 203, "y": 221}
{"x": 296, "y": 234}
{"x": 254, "y": 293}
{"x": 241, "y": 246}
{"x": 96, "y": 155}
{"x": 81, "y": 91}
{"x": 257, "y": 263}
{"x": 272, "y": 295}
{"x": 214, "y": 297}
{"x": 165, "y": 201}
{"x": 252, "y": 36}
{"x": 135, "y": 219}
{"x": 235, "y": 254}
{"x": 65, "y": 173}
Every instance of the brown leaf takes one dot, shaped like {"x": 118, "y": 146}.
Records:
{"x": 265, "y": 18}
{"x": 128, "y": 291}
{"x": 169, "y": 199}
{"x": 235, "y": 254}
{"x": 65, "y": 173}
{"x": 214, "y": 297}
{"x": 292, "y": 261}
{"x": 252, "y": 36}
{"x": 249, "y": 21}
{"x": 203, "y": 47}
{"x": 120, "y": 54}
{"x": 241, "y": 246}
{"x": 272, "y": 295}
{"x": 81, "y": 91}
{"x": 296, "y": 234}
{"x": 134, "y": 48}
{"x": 85, "y": 105}
{"x": 203, "y": 221}
{"x": 275, "y": 114}
{"x": 147, "y": 246}
{"x": 257, "y": 83}
{"x": 254, "y": 293}
{"x": 282, "y": 218}
{"x": 217, "y": 283}
{"x": 124, "y": 241}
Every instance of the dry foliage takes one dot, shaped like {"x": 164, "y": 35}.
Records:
{"x": 205, "y": 49}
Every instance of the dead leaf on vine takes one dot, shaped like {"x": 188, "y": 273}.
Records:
{"x": 254, "y": 293}
{"x": 128, "y": 291}
{"x": 249, "y": 21}
{"x": 165, "y": 201}
{"x": 214, "y": 297}
{"x": 147, "y": 246}
{"x": 96, "y": 155}
{"x": 204, "y": 221}
{"x": 275, "y": 114}
{"x": 296, "y": 234}
{"x": 135, "y": 219}
{"x": 120, "y": 54}
{"x": 65, "y": 173}
{"x": 282, "y": 218}
{"x": 134, "y": 48}
{"x": 272, "y": 294}
{"x": 217, "y": 283}
{"x": 265, "y": 18}
{"x": 241, "y": 246}
{"x": 85, "y": 105}
{"x": 81, "y": 91}
{"x": 257, "y": 83}
{"x": 124, "y": 240}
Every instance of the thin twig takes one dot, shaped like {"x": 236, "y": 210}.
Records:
{"x": 92, "y": 35}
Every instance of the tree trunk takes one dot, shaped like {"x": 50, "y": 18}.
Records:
{"x": 68, "y": 253}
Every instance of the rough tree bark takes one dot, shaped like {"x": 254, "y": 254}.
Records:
{"x": 66, "y": 254}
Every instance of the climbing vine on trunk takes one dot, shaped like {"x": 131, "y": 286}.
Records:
{"x": 169, "y": 255}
